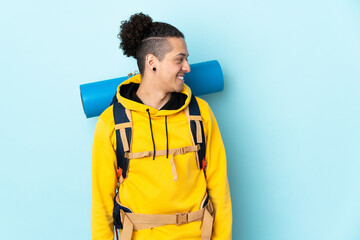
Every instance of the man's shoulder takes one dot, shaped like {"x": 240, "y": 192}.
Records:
{"x": 107, "y": 117}
{"x": 201, "y": 102}
{"x": 203, "y": 106}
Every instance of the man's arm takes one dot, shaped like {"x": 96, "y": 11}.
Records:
{"x": 217, "y": 180}
{"x": 104, "y": 179}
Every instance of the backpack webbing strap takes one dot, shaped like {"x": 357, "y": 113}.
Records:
{"x": 123, "y": 138}
{"x": 138, "y": 221}
{"x": 197, "y": 130}
{"x": 172, "y": 152}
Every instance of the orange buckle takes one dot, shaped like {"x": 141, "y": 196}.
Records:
{"x": 119, "y": 171}
{"x": 204, "y": 164}
{"x": 181, "y": 218}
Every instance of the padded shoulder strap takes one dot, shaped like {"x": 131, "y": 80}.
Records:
{"x": 123, "y": 136}
{"x": 197, "y": 130}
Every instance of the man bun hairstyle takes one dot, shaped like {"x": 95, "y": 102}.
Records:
{"x": 141, "y": 36}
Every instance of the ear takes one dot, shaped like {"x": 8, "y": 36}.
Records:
{"x": 151, "y": 62}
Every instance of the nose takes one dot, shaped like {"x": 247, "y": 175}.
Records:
{"x": 186, "y": 67}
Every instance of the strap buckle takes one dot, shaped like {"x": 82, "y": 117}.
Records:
{"x": 133, "y": 74}
{"x": 181, "y": 218}
{"x": 209, "y": 206}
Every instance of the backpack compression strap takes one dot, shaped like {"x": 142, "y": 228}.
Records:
{"x": 197, "y": 131}
{"x": 122, "y": 118}
{"x": 137, "y": 221}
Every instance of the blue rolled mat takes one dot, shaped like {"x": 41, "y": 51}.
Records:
{"x": 204, "y": 78}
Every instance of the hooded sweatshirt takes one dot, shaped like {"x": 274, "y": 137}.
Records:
{"x": 149, "y": 187}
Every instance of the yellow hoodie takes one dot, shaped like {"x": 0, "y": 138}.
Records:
{"x": 149, "y": 187}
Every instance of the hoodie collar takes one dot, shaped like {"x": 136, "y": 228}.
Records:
{"x": 126, "y": 94}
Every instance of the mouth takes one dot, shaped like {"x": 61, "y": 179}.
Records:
{"x": 180, "y": 76}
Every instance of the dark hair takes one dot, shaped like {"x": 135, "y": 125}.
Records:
{"x": 141, "y": 36}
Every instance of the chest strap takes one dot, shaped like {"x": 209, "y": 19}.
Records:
{"x": 172, "y": 152}
{"x": 138, "y": 221}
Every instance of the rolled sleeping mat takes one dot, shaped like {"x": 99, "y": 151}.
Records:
{"x": 204, "y": 78}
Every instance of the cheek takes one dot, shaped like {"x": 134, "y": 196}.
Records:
{"x": 170, "y": 70}
{"x": 170, "y": 73}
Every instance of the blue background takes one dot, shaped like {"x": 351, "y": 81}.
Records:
{"x": 289, "y": 113}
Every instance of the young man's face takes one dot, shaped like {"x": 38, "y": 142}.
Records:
{"x": 172, "y": 68}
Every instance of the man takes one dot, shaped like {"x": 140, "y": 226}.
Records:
{"x": 164, "y": 191}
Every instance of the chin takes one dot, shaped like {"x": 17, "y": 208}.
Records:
{"x": 179, "y": 89}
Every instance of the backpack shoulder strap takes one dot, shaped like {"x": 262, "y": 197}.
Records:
{"x": 122, "y": 119}
{"x": 197, "y": 131}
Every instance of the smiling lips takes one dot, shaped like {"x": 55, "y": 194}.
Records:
{"x": 180, "y": 77}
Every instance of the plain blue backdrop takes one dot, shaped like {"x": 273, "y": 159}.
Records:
{"x": 289, "y": 114}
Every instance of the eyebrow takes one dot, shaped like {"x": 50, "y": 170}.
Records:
{"x": 182, "y": 54}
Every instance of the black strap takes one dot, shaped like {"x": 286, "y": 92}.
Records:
{"x": 195, "y": 111}
{"x": 121, "y": 117}
{"x": 116, "y": 213}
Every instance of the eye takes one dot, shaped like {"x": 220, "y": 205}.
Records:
{"x": 180, "y": 60}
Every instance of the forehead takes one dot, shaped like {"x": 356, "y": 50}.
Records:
{"x": 178, "y": 46}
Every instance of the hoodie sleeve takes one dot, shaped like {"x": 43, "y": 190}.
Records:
{"x": 104, "y": 180}
{"x": 217, "y": 180}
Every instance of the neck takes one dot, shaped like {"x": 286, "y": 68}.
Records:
{"x": 151, "y": 94}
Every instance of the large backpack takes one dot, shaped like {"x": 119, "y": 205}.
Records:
{"x": 123, "y": 128}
